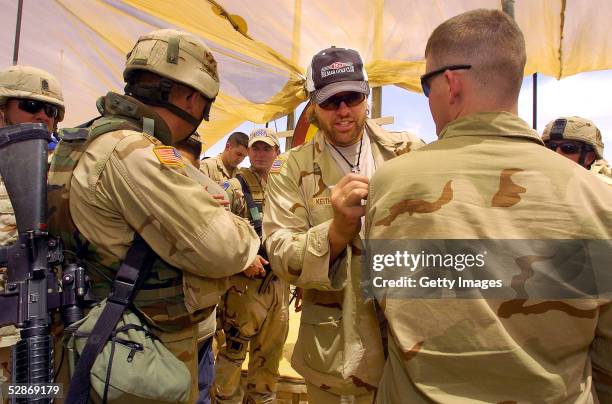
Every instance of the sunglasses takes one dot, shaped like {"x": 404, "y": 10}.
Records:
{"x": 33, "y": 107}
{"x": 425, "y": 78}
{"x": 566, "y": 148}
{"x": 350, "y": 99}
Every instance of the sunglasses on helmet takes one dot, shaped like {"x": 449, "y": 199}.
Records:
{"x": 566, "y": 147}
{"x": 350, "y": 99}
{"x": 33, "y": 107}
{"x": 425, "y": 78}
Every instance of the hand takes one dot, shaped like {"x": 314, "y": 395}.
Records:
{"x": 221, "y": 199}
{"x": 256, "y": 269}
{"x": 298, "y": 300}
{"x": 346, "y": 200}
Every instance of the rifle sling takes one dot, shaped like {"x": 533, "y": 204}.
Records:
{"x": 132, "y": 273}
{"x": 254, "y": 209}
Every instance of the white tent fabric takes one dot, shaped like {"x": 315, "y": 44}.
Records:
{"x": 263, "y": 46}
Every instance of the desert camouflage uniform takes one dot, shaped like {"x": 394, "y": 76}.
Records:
{"x": 8, "y": 227}
{"x": 602, "y": 170}
{"x": 339, "y": 346}
{"x": 252, "y": 321}
{"x": 121, "y": 186}
{"x": 216, "y": 170}
{"x": 488, "y": 177}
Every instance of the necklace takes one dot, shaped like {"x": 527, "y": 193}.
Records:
{"x": 354, "y": 167}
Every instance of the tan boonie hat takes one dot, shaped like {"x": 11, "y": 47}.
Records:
{"x": 575, "y": 128}
{"x": 31, "y": 83}
{"x": 265, "y": 135}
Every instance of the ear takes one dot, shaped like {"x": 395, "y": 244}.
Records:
{"x": 454, "y": 81}
{"x": 589, "y": 159}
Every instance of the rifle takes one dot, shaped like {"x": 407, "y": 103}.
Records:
{"x": 32, "y": 291}
{"x": 25, "y": 301}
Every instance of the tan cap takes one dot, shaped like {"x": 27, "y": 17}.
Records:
{"x": 575, "y": 128}
{"x": 33, "y": 84}
{"x": 265, "y": 135}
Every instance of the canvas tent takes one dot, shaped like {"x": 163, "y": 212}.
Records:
{"x": 263, "y": 46}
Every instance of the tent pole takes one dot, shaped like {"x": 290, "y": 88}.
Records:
{"x": 17, "y": 33}
{"x": 535, "y": 100}
{"x": 290, "y": 126}
{"x": 376, "y": 102}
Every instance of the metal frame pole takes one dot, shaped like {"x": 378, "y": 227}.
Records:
{"x": 535, "y": 100}
{"x": 17, "y": 33}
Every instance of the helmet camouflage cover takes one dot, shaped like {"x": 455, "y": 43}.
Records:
{"x": 175, "y": 55}
{"x": 575, "y": 128}
{"x": 33, "y": 84}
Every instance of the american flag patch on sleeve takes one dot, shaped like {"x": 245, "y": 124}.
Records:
{"x": 276, "y": 166}
{"x": 168, "y": 156}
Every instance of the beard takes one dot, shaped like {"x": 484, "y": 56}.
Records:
{"x": 338, "y": 137}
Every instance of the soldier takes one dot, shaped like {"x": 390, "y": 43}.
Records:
{"x": 190, "y": 149}
{"x": 312, "y": 220}
{"x": 126, "y": 180}
{"x": 255, "y": 315}
{"x": 487, "y": 177}
{"x": 27, "y": 95}
{"x": 225, "y": 165}
{"x": 579, "y": 140}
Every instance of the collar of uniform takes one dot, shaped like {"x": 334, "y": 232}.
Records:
{"x": 379, "y": 137}
{"x": 221, "y": 166}
{"x": 490, "y": 124}
{"x": 130, "y": 108}
{"x": 330, "y": 173}
{"x": 250, "y": 169}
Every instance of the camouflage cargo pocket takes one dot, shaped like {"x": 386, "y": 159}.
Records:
{"x": 141, "y": 367}
{"x": 320, "y": 339}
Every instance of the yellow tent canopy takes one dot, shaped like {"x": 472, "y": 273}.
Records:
{"x": 263, "y": 46}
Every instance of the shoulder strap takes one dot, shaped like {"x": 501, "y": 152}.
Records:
{"x": 127, "y": 282}
{"x": 255, "y": 186}
{"x": 254, "y": 209}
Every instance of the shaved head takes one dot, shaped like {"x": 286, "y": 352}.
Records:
{"x": 490, "y": 41}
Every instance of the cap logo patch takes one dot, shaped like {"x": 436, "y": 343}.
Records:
{"x": 260, "y": 132}
{"x": 337, "y": 67}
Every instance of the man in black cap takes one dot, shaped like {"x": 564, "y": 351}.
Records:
{"x": 312, "y": 221}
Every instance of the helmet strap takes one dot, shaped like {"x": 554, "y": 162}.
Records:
{"x": 158, "y": 96}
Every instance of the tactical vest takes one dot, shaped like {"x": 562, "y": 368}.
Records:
{"x": 163, "y": 286}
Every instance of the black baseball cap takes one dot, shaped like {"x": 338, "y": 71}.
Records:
{"x": 334, "y": 70}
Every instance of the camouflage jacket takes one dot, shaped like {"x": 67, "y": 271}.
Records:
{"x": 339, "y": 343}
{"x": 488, "y": 177}
{"x": 216, "y": 170}
{"x": 130, "y": 180}
{"x": 8, "y": 227}
{"x": 602, "y": 170}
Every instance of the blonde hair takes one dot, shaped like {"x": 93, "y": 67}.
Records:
{"x": 490, "y": 41}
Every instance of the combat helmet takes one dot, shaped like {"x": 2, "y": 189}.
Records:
{"x": 33, "y": 84}
{"x": 575, "y": 128}
{"x": 178, "y": 57}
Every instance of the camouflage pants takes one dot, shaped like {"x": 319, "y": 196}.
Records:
{"x": 318, "y": 395}
{"x": 258, "y": 323}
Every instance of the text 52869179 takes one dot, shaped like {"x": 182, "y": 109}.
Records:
{"x": 27, "y": 390}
